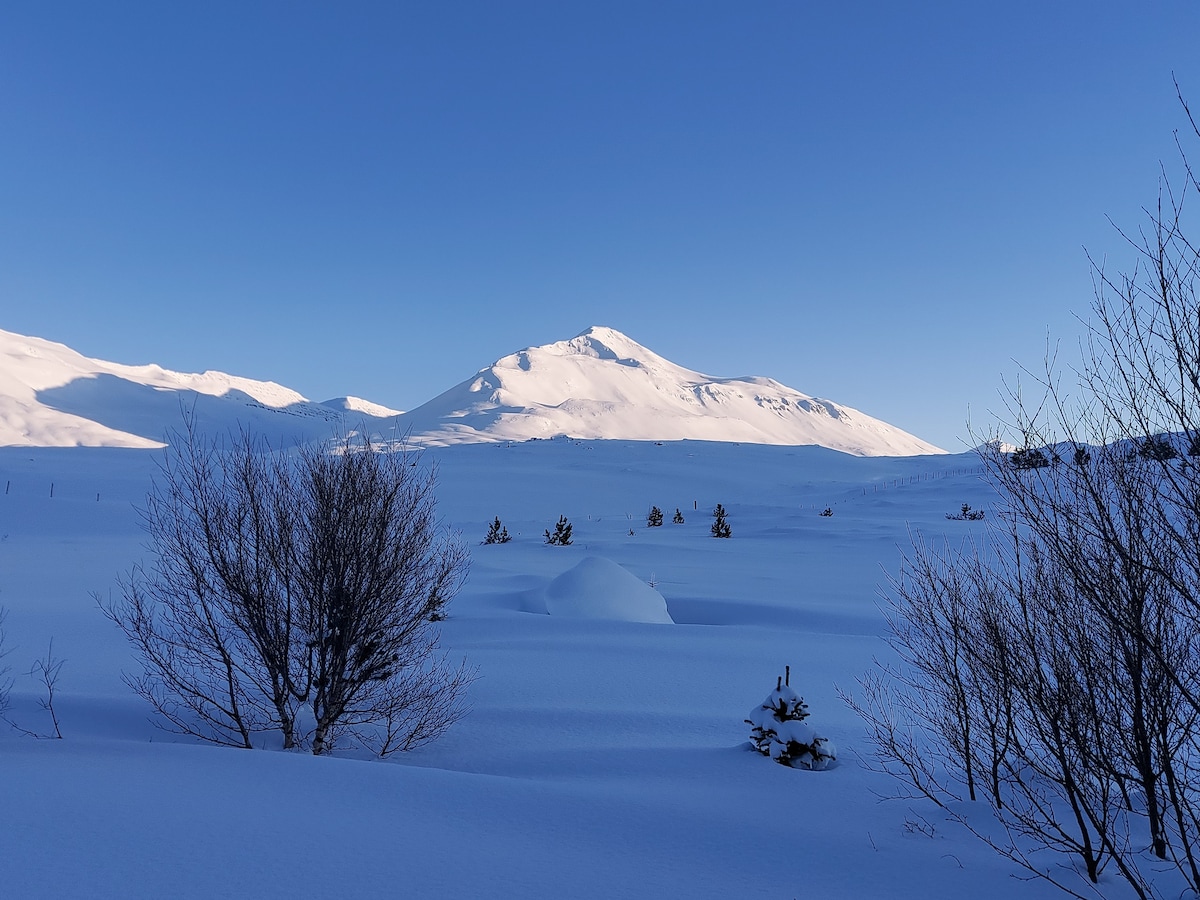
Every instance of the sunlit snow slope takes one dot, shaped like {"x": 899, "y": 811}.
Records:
{"x": 602, "y": 384}
{"x": 51, "y": 396}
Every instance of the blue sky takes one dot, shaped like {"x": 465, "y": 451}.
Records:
{"x": 882, "y": 204}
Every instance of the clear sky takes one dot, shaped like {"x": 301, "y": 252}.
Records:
{"x": 882, "y": 204}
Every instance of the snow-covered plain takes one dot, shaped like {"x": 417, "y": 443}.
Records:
{"x": 602, "y": 757}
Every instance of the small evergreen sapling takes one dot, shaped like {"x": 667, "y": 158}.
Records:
{"x": 720, "y": 528}
{"x": 1028, "y": 458}
{"x": 966, "y": 514}
{"x": 655, "y": 518}
{"x": 497, "y": 533}
{"x": 1158, "y": 448}
{"x": 778, "y": 730}
{"x": 678, "y": 517}
{"x": 562, "y": 533}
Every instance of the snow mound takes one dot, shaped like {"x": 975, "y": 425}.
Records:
{"x": 598, "y": 588}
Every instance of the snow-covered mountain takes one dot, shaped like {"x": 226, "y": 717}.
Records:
{"x": 602, "y": 384}
{"x": 52, "y": 396}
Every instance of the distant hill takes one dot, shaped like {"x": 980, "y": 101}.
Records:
{"x": 51, "y": 396}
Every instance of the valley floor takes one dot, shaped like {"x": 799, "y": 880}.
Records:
{"x": 600, "y": 759}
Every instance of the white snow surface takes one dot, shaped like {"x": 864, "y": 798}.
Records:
{"x": 598, "y": 588}
{"x": 599, "y": 759}
{"x": 604, "y": 385}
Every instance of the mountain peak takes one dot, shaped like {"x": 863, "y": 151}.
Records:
{"x": 602, "y": 384}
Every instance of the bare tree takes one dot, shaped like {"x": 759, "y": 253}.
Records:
{"x": 5, "y": 680}
{"x": 291, "y": 591}
{"x": 371, "y": 575}
{"x": 1060, "y": 661}
{"x": 46, "y": 670}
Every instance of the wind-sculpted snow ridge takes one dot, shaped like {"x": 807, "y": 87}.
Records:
{"x": 603, "y": 385}
{"x": 359, "y": 406}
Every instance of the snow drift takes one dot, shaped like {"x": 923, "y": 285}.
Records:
{"x": 598, "y": 588}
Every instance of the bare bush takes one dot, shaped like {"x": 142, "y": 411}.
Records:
{"x": 294, "y": 592}
{"x": 5, "y": 679}
{"x": 1057, "y": 663}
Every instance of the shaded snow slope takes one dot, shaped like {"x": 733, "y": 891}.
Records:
{"x": 52, "y": 396}
{"x": 602, "y": 384}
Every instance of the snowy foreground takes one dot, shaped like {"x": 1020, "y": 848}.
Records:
{"x": 602, "y": 757}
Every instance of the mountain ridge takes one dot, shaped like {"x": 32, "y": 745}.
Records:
{"x": 600, "y": 384}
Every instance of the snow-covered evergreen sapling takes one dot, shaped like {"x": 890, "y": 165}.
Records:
{"x": 655, "y": 518}
{"x": 678, "y": 517}
{"x": 778, "y": 729}
{"x": 720, "y": 528}
{"x": 497, "y": 533}
{"x": 1028, "y": 458}
{"x": 562, "y": 533}
{"x": 966, "y": 514}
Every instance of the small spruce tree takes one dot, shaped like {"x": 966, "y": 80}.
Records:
{"x": 1028, "y": 458}
{"x": 497, "y": 533}
{"x": 720, "y": 528}
{"x": 562, "y": 533}
{"x": 778, "y": 729}
{"x": 678, "y": 517}
{"x": 1158, "y": 448}
{"x": 655, "y": 518}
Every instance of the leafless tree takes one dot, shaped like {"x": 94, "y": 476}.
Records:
{"x": 294, "y": 591}
{"x": 371, "y": 575}
{"x": 5, "y": 680}
{"x": 46, "y": 670}
{"x": 1059, "y": 662}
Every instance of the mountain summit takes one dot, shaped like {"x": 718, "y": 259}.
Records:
{"x": 602, "y": 384}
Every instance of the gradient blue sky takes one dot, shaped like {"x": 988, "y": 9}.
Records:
{"x": 879, "y": 203}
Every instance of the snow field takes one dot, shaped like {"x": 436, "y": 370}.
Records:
{"x": 602, "y": 758}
